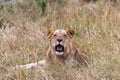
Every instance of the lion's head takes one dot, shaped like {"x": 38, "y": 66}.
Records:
{"x": 60, "y": 40}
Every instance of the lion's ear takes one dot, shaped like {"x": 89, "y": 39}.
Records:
{"x": 49, "y": 33}
{"x": 70, "y": 32}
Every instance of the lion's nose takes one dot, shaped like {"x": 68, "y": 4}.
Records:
{"x": 59, "y": 40}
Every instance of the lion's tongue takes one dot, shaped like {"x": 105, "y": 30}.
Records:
{"x": 59, "y": 48}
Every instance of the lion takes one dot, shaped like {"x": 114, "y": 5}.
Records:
{"x": 61, "y": 48}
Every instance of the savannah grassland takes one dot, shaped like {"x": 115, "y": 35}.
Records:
{"x": 23, "y": 39}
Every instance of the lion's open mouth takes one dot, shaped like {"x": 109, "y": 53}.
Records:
{"x": 59, "y": 48}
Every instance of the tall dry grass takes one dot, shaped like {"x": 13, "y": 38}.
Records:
{"x": 23, "y": 40}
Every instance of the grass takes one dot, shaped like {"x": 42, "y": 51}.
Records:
{"x": 23, "y": 39}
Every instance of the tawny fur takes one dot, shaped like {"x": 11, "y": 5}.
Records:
{"x": 70, "y": 52}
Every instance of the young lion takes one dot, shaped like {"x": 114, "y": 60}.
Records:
{"x": 62, "y": 49}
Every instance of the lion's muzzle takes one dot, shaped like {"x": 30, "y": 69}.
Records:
{"x": 59, "y": 48}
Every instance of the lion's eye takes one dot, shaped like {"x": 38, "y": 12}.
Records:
{"x": 64, "y": 35}
{"x": 55, "y": 35}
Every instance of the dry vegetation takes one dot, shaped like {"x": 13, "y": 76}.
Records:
{"x": 22, "y": 39}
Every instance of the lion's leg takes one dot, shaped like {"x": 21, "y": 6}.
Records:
{"x": 48, "y": 57}
{"x": 81, "y": 57}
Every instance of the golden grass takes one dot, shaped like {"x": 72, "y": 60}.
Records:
{"x": 97, "y": 27}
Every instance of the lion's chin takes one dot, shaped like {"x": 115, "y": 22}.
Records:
{"x": 59, "y": 53}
